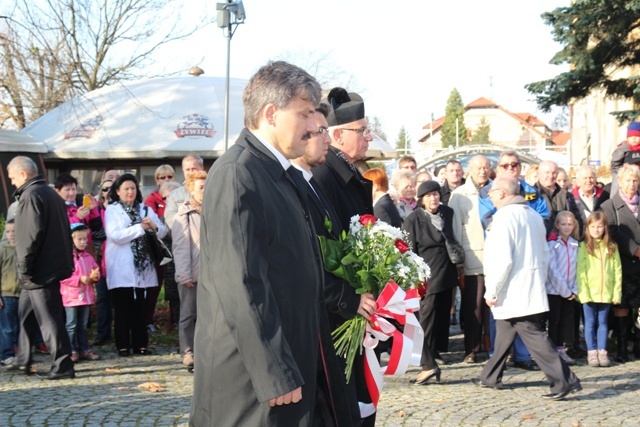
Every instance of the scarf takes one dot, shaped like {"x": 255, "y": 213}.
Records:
{"x": 139, "y": 247}
{"x": 436, "y": 219}
{"x": 632, "y": 203}
{"x": 341, "y": 156}
{"x": 410, "y": 202}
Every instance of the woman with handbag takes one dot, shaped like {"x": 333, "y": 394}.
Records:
{"x": 186, "y": 254}
{"x": 130, "y": 270}
{"x": 427, "y": 227}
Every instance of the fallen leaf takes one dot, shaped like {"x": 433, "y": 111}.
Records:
{"x": 152, "y": 387}
{"x": 527, "y": 417}
{"x": 112, "y": 371}
{"x": 122, "y": 388}
{"x": 401, "y": 414}
{"x": 576, "y": 424}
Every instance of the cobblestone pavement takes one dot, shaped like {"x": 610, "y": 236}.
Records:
{"x": 106, "y": 393}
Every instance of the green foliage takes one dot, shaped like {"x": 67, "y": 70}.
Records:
{"x": 454, "y": 112}
{"x": 3, "y": 221}
{"x": 376, "y": 127}
{"x": 403, "y": 144}
{"x": 481, "y": 134}
{"x": 598, "y": 37}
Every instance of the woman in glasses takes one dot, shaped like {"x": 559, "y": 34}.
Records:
{"x": 164, "y": 173}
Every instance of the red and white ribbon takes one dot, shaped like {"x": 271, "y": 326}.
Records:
{"x": 393, "y": 303}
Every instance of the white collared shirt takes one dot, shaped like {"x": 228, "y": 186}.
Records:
{"x": 281, "y": 158}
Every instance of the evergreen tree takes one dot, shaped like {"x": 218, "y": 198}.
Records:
{"x": 481, "y": 134}
{"x": 454, "y": 111}
{"x": 598, "y": 37}
{"x": 403, "y": 144}
{"x": 376, "y": 127}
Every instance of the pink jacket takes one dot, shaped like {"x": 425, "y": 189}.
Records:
{"x": 73, "y": 292}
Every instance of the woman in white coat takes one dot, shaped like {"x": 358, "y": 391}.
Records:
{"x": 130, "y": 270}
{"x": 185, "y": 233}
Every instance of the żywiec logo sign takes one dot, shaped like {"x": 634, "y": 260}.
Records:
{"x": 86, "y": 129}
{"x": 195, "y": 125}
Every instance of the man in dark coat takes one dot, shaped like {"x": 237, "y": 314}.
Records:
{"x": 259, "y": 296}
{"x": 557, "y": 198}
{"x": 350, "y": 194}
{"x": 44, "y": 257}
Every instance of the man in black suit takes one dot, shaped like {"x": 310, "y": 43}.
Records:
{"x": 43, "y": 258}
{"x": 348, "y": 192}
{"x": 260, "y": 300}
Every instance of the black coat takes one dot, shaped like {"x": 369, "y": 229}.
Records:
{"x": 428, "y": 243}
{"x": 260, "y": 309}
{"x": 625, "y": 230}
{"x": 350, "y": 193}
{"x": 387, "y": 211}
{"x": 43, "y": 238}
{"x": 559, "y": 200}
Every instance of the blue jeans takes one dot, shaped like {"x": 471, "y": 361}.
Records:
{"x": 9, "y": 327}
{"x": 77, "y": 322}
{"x": 103, "y": 304}
{"x": 520, "y": 352}
{"x": 595, "y": 325}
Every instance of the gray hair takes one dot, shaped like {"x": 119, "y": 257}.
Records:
{"x": 508, "y": 184}
{"x": 277, "y": 83}
{"x": 401, "y": 174}
{"x": 23, "y": 164}
{"x": 194, "y": 157}
{"x": 509, "y": 153}
{"x": 170, "y": 186}
{"x": 627, "y": 169}
{"x": 583, "y": 170}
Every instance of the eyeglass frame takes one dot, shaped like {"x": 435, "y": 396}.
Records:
{"x": 361, "y": 131}
{"x": 320, "y": 131}
{"x": 165, "y": 177}
{"x": 105, "y": 189}
{"x": 512, "y": 165}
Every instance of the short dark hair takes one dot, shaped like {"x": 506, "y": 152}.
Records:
{"x": 10, "y": 221}
{"x": 407, "y": 159}
{"x": 323, "y": 108}
{"x": 113, "y": 195}
{"x": 63, "y": 180}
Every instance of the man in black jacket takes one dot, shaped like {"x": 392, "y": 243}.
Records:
{"x": 43, "y": 257}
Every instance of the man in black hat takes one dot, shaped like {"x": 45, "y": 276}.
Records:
{"x": 350, "y": 194}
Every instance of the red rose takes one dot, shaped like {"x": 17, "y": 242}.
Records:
{"x": 367, "y": 219}
{"x": 402, "y": 246}
{"x": 422, "y": 288}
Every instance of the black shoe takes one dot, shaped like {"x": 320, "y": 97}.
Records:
{"x": 123, "y": 352}
{"x": 59, "y": 375}
{"x": 479, "y": 383}
{"x": 425, "y": 376}
{"x": 529, "y": 365}
{"x": 190, "y": 369}
{"x": 561, "y": 395}
{"x": 25, "y": 369}
{"x": 101, "y": 341}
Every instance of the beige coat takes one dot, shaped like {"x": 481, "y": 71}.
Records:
{"x": 185, "y": 234}
{"x": 467, "y": 227}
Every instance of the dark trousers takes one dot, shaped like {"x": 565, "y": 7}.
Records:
{"x": 475, "y": 312}
{"x": 531, "y": 330}
{"x": 42, "y": 310}
{"x": 129, "y": 318}
{"x": 434, "y": 317}
{"x": 560, "y": 320}
{"x": 103, "y": 305}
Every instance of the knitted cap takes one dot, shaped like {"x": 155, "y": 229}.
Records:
{"x": 633, "y": 129}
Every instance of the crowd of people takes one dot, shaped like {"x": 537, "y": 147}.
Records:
{"x": 247, "y": 290}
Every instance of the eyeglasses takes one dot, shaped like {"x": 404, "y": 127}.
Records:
{"x": 320, "y": 131}
{"x": 165, "y": 177}
{"x": 105, "y": 189}
{"x": 511, "y": 165}
{"x": 362, "y": 131}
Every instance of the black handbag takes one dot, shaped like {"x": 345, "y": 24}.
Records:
{"x": 159, "y": 252}
{"x": 455, "y": 250}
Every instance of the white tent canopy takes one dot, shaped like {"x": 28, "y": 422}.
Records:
{"x": 157, "y": 118}
{"x": 12, "y": 141}
{"x": 379, "y": 149}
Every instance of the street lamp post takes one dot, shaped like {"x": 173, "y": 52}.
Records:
{"x": 230, "y": 15}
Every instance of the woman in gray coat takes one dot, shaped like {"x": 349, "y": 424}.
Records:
{"x": 185, "y": 232}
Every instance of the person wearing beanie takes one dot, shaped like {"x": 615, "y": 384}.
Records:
{"x": 619, "y": 155}
{"x": 350, "y": 194}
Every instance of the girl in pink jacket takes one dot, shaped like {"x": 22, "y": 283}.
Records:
{"x": 78, "y": 294}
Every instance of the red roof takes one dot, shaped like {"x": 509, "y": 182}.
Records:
{"x": 560, "y": 138}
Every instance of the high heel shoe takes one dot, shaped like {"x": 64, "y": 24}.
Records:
{"x": 425, "y": 376}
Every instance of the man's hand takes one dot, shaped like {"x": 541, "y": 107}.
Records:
{"x": 491, "y": 302}
{"x": 637, "y": 253}
{"x": 294, "y": 396}
{"x": 1, "y": 303}
{"x": 188, "y": 284}
{"x": 367, "y": 305}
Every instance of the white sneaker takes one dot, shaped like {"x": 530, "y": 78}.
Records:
{"x": 6, "y": 362}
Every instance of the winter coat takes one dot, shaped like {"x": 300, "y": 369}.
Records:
{"x": 156, "y": 202}
{"x": 625, "y": 230}
{"x": 467, "y": 228}
{"x": 516, "y": 272}
{"x": 121, "y": 271}
{"x": 9, "y": 287}
{"x": 599, "y": 276}
{"x": 562, "y": 267}
{"x": 43, "y": 242}
{"x": 185, "y": 233}
{"x": 74, "y": 292}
